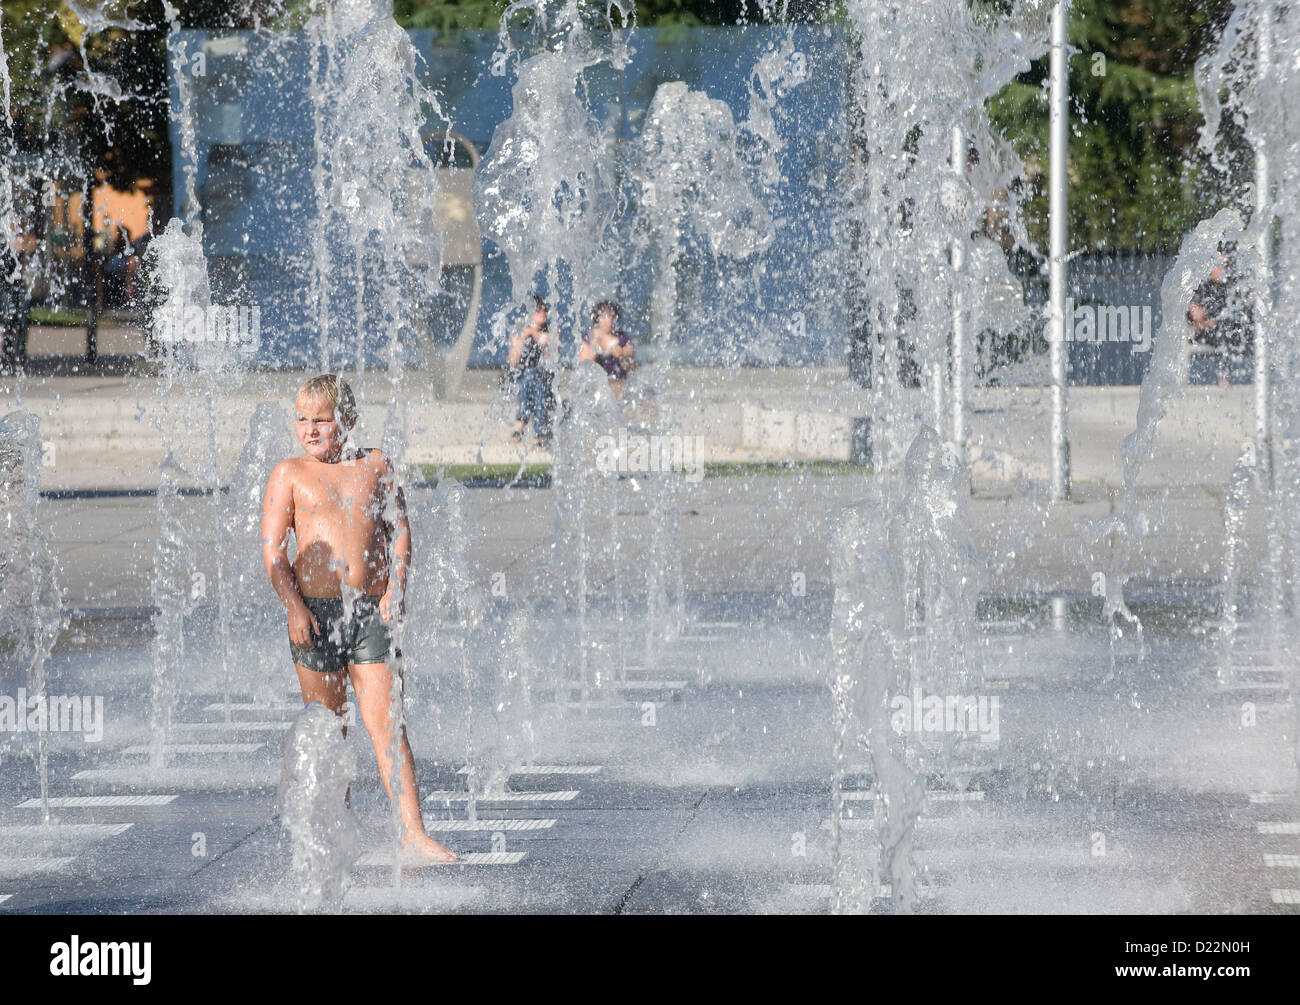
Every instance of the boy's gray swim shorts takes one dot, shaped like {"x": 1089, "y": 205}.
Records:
{"x": 363, "y": 638}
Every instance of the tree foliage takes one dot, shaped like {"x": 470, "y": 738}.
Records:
{"x": 1137, "y": 180}
{"x": 469, "y": 14}
{"x": 59, "y": 120}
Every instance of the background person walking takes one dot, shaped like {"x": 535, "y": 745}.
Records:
{"x": 528, "y": 360}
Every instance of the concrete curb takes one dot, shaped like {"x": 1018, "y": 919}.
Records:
{"x": 107, "y": 432}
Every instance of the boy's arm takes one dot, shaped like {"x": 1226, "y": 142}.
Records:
{"x": 516, "y": 351}
{"x": 399, "y": 534}
{"x": 277, "y": 521}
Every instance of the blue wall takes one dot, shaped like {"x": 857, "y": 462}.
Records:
{"x": 255, "y": 154}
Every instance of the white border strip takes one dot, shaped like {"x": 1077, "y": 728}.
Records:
{"x": 384, "y": 860}
{"x": 935, "y": 795}
{"x": 197, "y": 748}
{"x": 13, "y": 867}
{"x": 1282, "y": 861}
{"x": 651, "y": 685}
{"x": 449, "y": 796}
{"x": 487, "y": 825}
{"x": 1287, "y": 827}
{"x": 550, "y": 769}
{"x": 851, "y": 823}
{"x": 1286, "y": 896}
{"x": 91, "y": 832}
{"x": 492, "y": 857}
{"x": 97, "y": 802}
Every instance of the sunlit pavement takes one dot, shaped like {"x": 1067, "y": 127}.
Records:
{"x": 749, "y": 534}
{"x": 704, "y": 788}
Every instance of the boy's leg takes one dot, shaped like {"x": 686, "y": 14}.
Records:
{"x": 330, "y": 689}
{"x": 373, "y": 684}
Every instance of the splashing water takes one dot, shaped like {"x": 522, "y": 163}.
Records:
{"x": 8, "y": 223}
{"x": 915, "y": 203}
{"x": 31, "y": 609}
{"x": 906, "y": 585}
{"x": 248, "y": 605}
{"x": 1129, "y": 524}
{"x": 697, "y": 180}
{"x": 318, "y": 769}
{"x": 701, "y": 185}
{"x": 378, "y": 181}
{"x": 1249, "y": 80}
{"x": 545, "y": 194}
{"x": 197, "y": 367}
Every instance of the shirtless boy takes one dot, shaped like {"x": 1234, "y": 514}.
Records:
{"x": 341, "y": 592}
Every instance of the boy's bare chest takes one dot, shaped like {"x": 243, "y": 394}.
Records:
{"x": 338, "y": 494}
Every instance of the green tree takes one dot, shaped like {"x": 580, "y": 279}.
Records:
{"x": 52, "y": 56}
{"x": 470, "y": 14}
{"x": 1137, "y": 180}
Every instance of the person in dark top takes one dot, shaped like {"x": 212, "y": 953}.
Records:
{"x": 1222, "y": 318}
{"x": 117, "y": 272}
{"x": 528, "y": 359}
{"x": 610, "y": 348}
{"x": 13, "y": 311}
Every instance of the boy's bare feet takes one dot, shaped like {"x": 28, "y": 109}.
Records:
{"x": 424, "y": 850}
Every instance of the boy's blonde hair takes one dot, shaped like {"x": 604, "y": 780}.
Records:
{"x": 331, "y": 389}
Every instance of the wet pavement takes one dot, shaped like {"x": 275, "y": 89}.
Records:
{"x": 698, "y": 784}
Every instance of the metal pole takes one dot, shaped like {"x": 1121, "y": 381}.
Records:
{"x": 958, "y": 309}
{"x": 1060, "y": 146}
{"x": 938, "y": 366}
{"x": 1263, "y": 321}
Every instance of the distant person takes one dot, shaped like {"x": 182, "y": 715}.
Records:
{"x": 529, "y": 360}
{"x": 1222, "y": 318}
{"x": 346, "y": 586}
{"x": 995, "y": 223}
{"x": 119, "y": 269}
{"x": 609, "y": 347}
{"x": 103, "y": 245}
{"x": 14, "y": 308}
